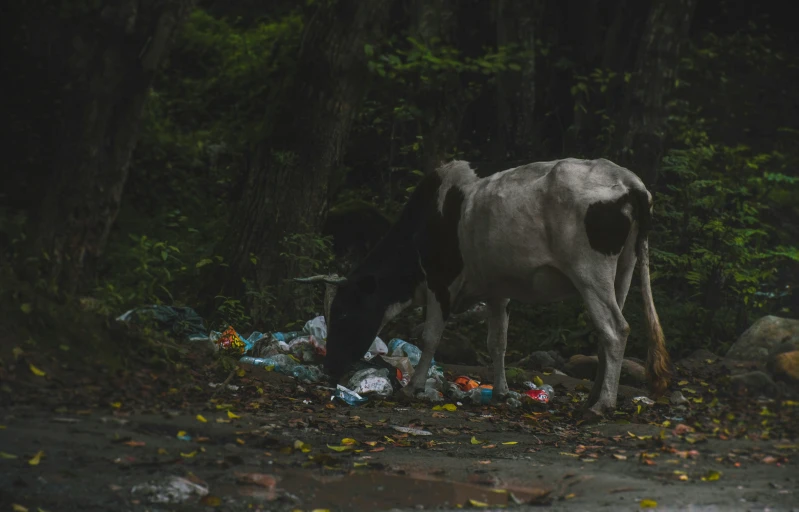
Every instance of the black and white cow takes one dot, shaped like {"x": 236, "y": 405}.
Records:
{"x": 538, "y": 233}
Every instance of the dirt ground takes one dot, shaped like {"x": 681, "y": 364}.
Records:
{"x": 71, "y": 443}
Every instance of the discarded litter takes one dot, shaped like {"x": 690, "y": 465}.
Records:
{"x": 403, "y": 366}
{"x": 401, "y": 348}
{"x": 643, "y": 400}
{"x": 464, "y": 383}
{"x": 287, "y": 365}
{"x": 172, "y": 490}
{"x": 182, "y": 322}
{"x": 412, "y": 431}
{"x": 377, "y": 348}
{"x": 348, "y": 396}
{"x": 539, "y": 395}
{"x": 371, "y": 380}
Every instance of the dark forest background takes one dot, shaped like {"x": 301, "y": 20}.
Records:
{"x": 204, "y": 153}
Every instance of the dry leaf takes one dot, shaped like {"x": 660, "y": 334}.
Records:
{"x": 476, "y": 441}
{"x": 648, "y": 503}
{"x": 200, "y": 418}
{"x": 36, "y": 371}
{"x": 232, "y": 416}
{"x": 36, "y": 458}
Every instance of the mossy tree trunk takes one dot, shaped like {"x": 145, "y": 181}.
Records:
{"x": 89, "y": 66}
{"x": 664, "y": 35}
{"x": 286, "y": 188}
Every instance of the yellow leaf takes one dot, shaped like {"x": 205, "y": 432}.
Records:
{"x": 648, "y": 503}
{"x": 232, "y": 416}
{"x": 476, "y": 503}
{"x": 571, "y": 495}
{"x": 303, "y": 447}
{"x": 36, "y": 371}
{"x": 240, "y": 441}
{"x": 4, "y": 455}
{"x": 321, "y": 510}
{"x": 240, "y": 372}
{"x": 511, "y": 442}
{"x": 569, "y": 454}
{"x": 201, "y": 419}
{"x": 339, "y": 448}
{"x": 18, "y": 508}
{"x": 347, "y": 441}
{"x": 446, "y": 407}
{"x": 188, "y": 455}
{"x": 17, "y": 352}
{"x": 360, "y": 464}
{"x": 181, "y": 433}
{"x": 476, "y": 441}
{"x": 537, "y": 381}
{"x": 26, "y": 308}
{"x": 36, "y": 458}
{"x": 162, "y": 451}
{"x": 711, "y": 476}
{"x": 682, "y": 383}
{"x": 370, "y": 443}
{"x": 116, "y": 405}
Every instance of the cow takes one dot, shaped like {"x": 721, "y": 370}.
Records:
{"x": 537, "y": 233}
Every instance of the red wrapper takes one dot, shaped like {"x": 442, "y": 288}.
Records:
{"x": 539, "y": 395}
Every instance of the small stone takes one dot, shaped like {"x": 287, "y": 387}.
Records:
{"x": 678, "y": 398}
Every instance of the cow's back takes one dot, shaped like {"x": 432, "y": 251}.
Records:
{"x": 532, "y": 216}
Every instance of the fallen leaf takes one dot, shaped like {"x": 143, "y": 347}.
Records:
{"x": 36, "y": 458}
{"x": 479, "y": 504}
{"x": 188, "y": 455}
{"x": 511, "y": 442}
{"x": 18, "y": 352}
{"x": 240, "y": 441}
{"x": 711, "y": 476}
{"x": 348, "y": 441}
{"x": 446, "y": 407}
{"x": 211, "y": 501}
{"x": 648, "y": 504}
{"x": 162, "y": 451}
{"x": 116, "y": 405}
{"x": 339, "y": 448}
{"x": 570, "y": 496}
{"x": 200, "y": 418}
{"x": 4, "y": 455}
{"x": 537, "y": 381}
{"x": 682, "y": 383}
{"x": 36, "y": 371}
{"x": 232, "y": 416}
{"x": 619, "y": 456}
{"x": 18, "y": 508}
{"x": 134, "y": 443}
{"x": 303, "y": 447}
{"x": 379, "y": 449}
{"x": 489, "y": 446}
{"x": 476, "y": 441}
{"x": 484, "y": 462}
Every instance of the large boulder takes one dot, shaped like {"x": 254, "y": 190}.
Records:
{"x": 585, "y": 367}
{"x": 758, "y": 341}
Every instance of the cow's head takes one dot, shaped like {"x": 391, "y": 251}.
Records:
{"x": 354, "y": 313}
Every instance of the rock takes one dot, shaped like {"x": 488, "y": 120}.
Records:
{"x": 752, "y": 384}
{"x": 585, "y": 367}
{"x": 540, "y": 360}
{"x": 757, "y": 342}
{"x": 581, "y": 367}
{"x": 677, "y": 398}
{"x": 786, "y": 367}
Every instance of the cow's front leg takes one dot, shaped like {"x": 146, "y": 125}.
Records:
{"x": 497, "y": 343}
{"x": 433, "y": 328}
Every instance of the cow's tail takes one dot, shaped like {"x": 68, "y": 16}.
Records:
{"x": 658, "y": 363}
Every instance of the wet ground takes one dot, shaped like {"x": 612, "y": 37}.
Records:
{"x": 269, "y": 444}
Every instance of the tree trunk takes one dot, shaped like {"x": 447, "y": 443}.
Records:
{"x": 287, "y": 183}
{"x": 664, "y": 35}
{"x": 514, "y": 137}
{"x": 434, "y": 24}
{"x": 96, "y": 66}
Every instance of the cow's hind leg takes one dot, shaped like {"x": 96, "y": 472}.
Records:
{"x": 433, "y": 329}
{"x": 600, "y": 300}
{"x": 497, "y": 344}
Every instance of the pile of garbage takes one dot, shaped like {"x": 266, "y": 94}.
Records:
{"x": 384, "y": 369}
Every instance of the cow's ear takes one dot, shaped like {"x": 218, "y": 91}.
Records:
{"x": 367, "y": 284}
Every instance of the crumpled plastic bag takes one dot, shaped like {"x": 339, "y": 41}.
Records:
{"x": 171, "y": 490}
{"x": 377, "y": 348}
{"x": 403, "y": 366}
{"x": 401, "y": 348}
{"x": 371, "y": 381}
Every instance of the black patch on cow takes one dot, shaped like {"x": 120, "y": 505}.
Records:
{"x": 439, "y": 248}
{"x": 607, "y": 226}
{"x": 390, "y": 274}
